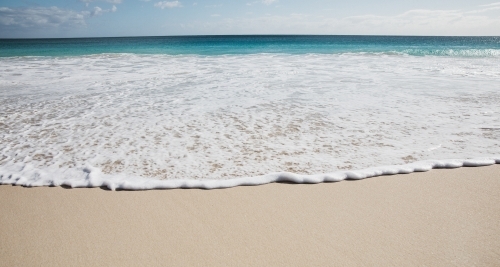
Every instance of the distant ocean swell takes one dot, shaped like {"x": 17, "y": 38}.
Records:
{"x": 146, "y": 121}
{"x": 245, "y": 45}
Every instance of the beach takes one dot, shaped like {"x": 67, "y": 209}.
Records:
{"x": 436, "y": 218}
{"x": 258, "y": 150}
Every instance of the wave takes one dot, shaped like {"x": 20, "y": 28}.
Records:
{"x": 169, "y": 118}
{"x": 418, "y": 52}
{"x": 459, "y": 53}
{"x": 88, "y": 176}
{"x": 452, "y": 52}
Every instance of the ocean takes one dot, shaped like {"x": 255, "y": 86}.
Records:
{"x": 255, "y": 44}
{"x": 222, "y": 111}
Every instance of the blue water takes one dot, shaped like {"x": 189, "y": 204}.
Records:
{"x": 259, "y": 109}
{"x": 287, "y": 44}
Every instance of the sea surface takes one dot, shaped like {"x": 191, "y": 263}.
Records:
{"x": 222, "y": 111}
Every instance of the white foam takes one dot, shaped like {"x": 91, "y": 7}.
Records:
{"x": 153, "y": 121}
{"x": 88, "y": 176}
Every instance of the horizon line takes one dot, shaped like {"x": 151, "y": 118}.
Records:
{"x": 241, "y": 35}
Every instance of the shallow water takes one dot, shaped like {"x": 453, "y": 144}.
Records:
{"x": 85, "y": 120}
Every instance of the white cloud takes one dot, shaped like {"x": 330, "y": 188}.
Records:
{"x": 29, "y": 22}
{"x": 215, "y": 15}
{"x": 265, "y": 2}
{"x": 426, "y": 22}
{"x": 167, "y": 4}
{"x": 96, "y": 12}
{"x": 40, "y": 17}
{"x": 108, "y": 1}
{"x": 412, "y": 22}
{"x": 99, "y": 11}
{"x": 268, "y": 2}
{"x": 486, "y": 8}
{"x": 492, "y": 4}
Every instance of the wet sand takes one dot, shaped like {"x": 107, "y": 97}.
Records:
{"x": 437, "y": 218}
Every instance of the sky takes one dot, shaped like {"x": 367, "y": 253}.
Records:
{"x": 109, "y": 18}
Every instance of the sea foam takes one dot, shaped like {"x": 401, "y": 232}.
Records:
{"x": 88, "y": 176}
{"x": 157, "y": 121}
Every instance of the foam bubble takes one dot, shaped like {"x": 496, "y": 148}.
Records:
{"x": 155, "y": 121}
{"x": 95, "y": 178}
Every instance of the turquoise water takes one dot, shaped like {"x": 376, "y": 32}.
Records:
{"x": 230, "y": 45}
{"x": 221, "y": 111}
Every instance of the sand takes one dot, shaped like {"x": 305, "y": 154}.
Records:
{"x": 437, "y": 218}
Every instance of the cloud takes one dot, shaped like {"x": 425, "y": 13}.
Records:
{"x": 99, "y": 11}
{"x": 425, "y": 22}
{"x": 43, "y": 21}
{"x": 412, "y": 22}
{"x": 268, "y": 2}
{"x": 265, "y": 2}
{"x": 486, "y": 8}
{"x": 167, "y": 4}
{"x": 492, "y": 4}
{"x": 108, "y": 1}
{"x": 40, "y": 17}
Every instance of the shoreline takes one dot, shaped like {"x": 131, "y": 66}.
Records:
{"x": 88, "y": 176}
{"x": 442, "y": 217}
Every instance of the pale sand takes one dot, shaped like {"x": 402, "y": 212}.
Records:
{"x": 438, "y": 218}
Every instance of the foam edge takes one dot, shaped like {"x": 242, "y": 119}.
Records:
{"x": 88, "y": 176}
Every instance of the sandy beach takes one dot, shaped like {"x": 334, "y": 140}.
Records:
{"x": 437, "y": 218}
